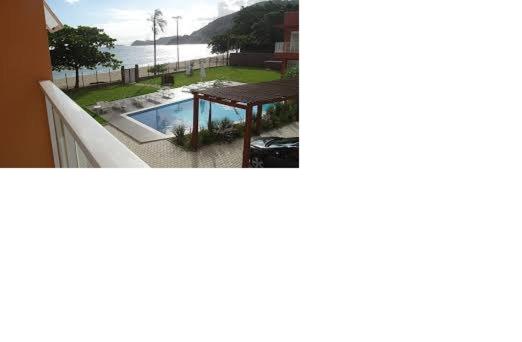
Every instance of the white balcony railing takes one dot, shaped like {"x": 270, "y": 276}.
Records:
{"x": 287, "y": 47}
{"x": 78, "y": 140}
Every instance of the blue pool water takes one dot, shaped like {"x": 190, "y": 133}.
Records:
{"x": 165, "y": 118}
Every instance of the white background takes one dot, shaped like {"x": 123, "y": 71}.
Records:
{"x": 403, "y": 223}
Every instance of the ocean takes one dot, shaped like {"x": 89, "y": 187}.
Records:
{"x": 144, "y": 55}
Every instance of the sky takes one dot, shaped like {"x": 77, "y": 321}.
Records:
{"x": 126, "y": 20}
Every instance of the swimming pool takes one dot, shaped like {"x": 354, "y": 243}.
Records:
{"x": 165, "y": 118}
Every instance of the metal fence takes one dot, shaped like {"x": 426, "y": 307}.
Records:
{"x": 100, "y": 78}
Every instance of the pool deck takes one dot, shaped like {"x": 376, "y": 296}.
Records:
{"x": 164, "y": 154}
{"x": 120, "y": 119}
{"x": 158, "y": 151}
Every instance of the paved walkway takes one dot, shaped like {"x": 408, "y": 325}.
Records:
{"x": 165, "y": 154}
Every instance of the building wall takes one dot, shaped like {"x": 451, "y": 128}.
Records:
{"x": 24, "y": 60}
{"x": 291, "y": 23}
{"x": 291, "y": 18}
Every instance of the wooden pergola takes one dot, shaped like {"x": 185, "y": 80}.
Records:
{"x": 245, "y": 97}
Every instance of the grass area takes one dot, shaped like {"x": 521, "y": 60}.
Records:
{"x": 237, "y": 74}
{"x": 89, "y": 96}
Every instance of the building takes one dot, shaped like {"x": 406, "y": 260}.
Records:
{"x": 43, "y": 127}
{"x": 288, "y": 50}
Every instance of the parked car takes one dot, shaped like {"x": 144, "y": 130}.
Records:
{"x": 274, "y": 152}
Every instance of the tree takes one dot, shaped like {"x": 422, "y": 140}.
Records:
{"x": 220, "y": 44}
{"x": 74, "y": 48}
{"x": 158, "y": 24}
{"x": 255, "y": 27}
{"x": 223, "y": 43}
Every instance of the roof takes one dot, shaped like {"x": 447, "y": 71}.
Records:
{"x": 51, "y": 20}
{"x": 255, "y": 93}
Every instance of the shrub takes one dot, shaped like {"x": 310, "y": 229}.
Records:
{"x": 225, "y": 123}
{"x": 274, "y": 114}
{"x": 213, "y": 125}
{"x": 179, "y": 135}
{"x": 293, "y": 109}
{"x": 276, "y": 122}
{"x": 284, "y": 114}
{"x": 218, "y": 83}
{"x": 240, "y": 129}
{"x": 292, "y": 72}
{"x": 158, "y": 69}
{"x": 266, "y": 123}
{"x": 207, "y": 137}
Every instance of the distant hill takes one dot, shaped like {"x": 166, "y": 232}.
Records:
{"x": 201, "y": 36}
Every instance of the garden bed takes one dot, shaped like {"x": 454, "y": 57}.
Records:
{"x": 225, "y": 131}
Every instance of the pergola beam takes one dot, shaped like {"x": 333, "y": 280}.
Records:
{"x": 277, "y": 99}
{"x": 221, "y": 101}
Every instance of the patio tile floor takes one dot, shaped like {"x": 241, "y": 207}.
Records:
{"x": 164, "y": 154}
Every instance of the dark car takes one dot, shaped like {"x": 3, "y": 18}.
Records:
{"x": 274, "y": 152}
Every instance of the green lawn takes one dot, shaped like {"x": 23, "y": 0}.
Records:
{"x": 237, "y": 74}
{"x": 88, "y": 97}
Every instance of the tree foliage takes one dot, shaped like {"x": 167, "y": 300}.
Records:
{"x": 75, "y": 48}
{"x": 220, "y": 43}
{"x": 158, "y": 24}
{"x": 255, "y": 27}
{"x": 224, "y": 43}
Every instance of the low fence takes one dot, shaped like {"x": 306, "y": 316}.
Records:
{"x": 100, "y": 78}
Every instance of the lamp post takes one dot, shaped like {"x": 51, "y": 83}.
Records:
{"x": 177, "y": 38}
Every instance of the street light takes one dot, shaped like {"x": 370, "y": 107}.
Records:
{"x": 177, "y": 38}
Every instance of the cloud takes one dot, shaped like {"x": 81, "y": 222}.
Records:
{"x": 226, "y": 7}
{"x": 128, "y": 25}
{"x": 71, "y": 1}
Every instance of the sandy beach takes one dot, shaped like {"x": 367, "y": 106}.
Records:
{"x": 114, "y": 76}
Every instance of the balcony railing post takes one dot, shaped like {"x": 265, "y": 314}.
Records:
{"x": 60, "y": 138}
{"x": 70, "y": 149}
{"x": 52, "y": 131}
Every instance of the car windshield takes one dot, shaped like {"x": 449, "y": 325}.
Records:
{"x": 291, "y": 142}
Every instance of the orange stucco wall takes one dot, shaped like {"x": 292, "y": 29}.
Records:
{"x": 24, "y": 60}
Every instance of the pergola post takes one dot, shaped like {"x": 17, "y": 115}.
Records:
{"x": 258, "y": 119}
{"x": 195, "y": 123}
{"x": 283, "y": 67}
{"x": 246, "y": 138}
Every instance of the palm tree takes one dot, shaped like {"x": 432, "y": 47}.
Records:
{"x": 158, "y": 24}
